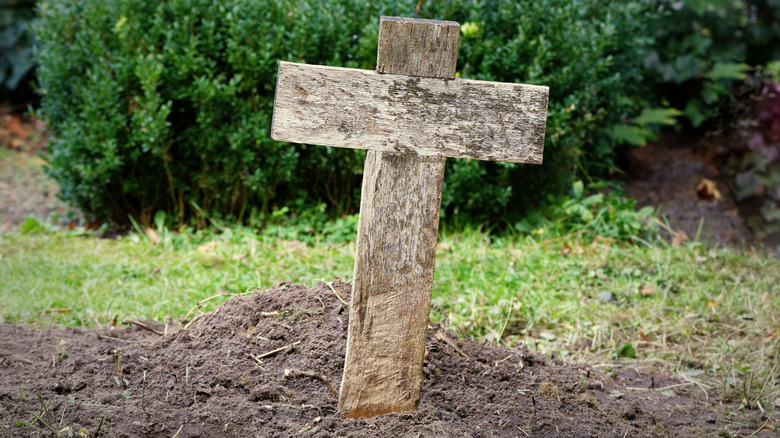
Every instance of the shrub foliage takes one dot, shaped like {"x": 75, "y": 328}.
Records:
{"x": 166, "y": 106}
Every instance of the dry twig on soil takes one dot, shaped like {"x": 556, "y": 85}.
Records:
{"x": 292, "y": 374}
{"x": 142, "y": 325}
{"x": 442, "y": 337}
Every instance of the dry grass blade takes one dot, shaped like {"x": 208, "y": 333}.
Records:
{"x": 330, "y": 285}
{"x": 278, "y": 350}
{"x": 204, "y": 301}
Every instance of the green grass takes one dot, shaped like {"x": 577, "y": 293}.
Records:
{"x": 711, "y": 315}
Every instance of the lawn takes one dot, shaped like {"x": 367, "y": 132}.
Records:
{"x": 709, "y": 315}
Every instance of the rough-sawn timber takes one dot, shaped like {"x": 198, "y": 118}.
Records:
{"x": 457, "y": 118}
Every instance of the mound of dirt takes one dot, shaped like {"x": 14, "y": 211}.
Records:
{"x": 225, "y": 376}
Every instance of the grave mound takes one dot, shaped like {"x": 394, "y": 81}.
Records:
{"x": 258, "y": 366}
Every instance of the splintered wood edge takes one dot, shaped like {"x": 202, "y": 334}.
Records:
{"x": 457, "y": 118}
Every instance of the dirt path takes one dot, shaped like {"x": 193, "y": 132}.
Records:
{"x": 213, "y": 380}
{"x": 25, "y": 191}
{"x": 667, "y": 174}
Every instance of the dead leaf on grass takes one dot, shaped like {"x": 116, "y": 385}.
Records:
{"x": 643, "y": 336}
{"x": 56, "y": 310}
{"x": 566, "y": 250}
{"x": 679, "y": 238}
{"x": 646, "y": 291}
{"x": 443, "y": 246}
{"x": 14, "y": 125}
{"x": 207, "y": 247}
{"x": 153, "y": 237}
{"x": 707, "y": 190}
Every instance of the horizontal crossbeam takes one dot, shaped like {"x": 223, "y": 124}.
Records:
{"x": 456, "y": 118}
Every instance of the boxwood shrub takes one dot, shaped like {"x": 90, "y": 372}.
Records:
{"x": 166, "y": 105}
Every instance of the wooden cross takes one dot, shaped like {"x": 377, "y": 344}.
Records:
{"x": 410, "y": 115}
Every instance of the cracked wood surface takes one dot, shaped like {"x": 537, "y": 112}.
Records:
{"x": 456, "y": 118}
{"x": 396, "y": 245}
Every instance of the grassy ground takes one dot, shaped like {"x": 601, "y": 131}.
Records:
{"x": 712, "y": 316}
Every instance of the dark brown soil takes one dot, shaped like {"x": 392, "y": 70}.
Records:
{"x": 667, "y": 173}
{"x": 130, "y": 382}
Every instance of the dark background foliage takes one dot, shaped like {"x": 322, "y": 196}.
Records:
{"x": 16, "y": 58}
{"x": 167, "y": 106}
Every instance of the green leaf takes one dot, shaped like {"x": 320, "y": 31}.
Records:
{"x": 126, "y": 393}
{"x": 577, "y": 188}
{"x": 657, "y": 116}
{"x": 697, "y": 6}
{"x": 31, "y": 226}
{"x": 159, "y": 219}
{"x": 695, "y": 113}
{"x": 627, "y": 350}
{"x": 630, "y": 134}
{"x": 722, "y": 70}
{"x": 645, "y": 212}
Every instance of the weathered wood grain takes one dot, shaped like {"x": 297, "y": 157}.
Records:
{"x": 415, "y": 47}
{"x": 391, "y": 289}
{"x": 456, "y": 118}
{"x": 411, "y": 114}
{"x": 396, "y": 248}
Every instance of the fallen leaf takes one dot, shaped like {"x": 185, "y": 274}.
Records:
{"x": 207, "y": 247}
{"x": 643, "y": 336}
{"x": 714, "y": 169}
{"x": 767, "y": 427}
{"x": 566, "y": 250}
{"x": 57, "y": 310}
{"x": 14, "y": 124}
{"x": 71, "y": 225}
{"x": 707, "y": 190}
{"x": 679, "y": 238}
{"x": 153, "y": 237}
{"x": 443, "y": 246}
{"x": 646, "y": 290}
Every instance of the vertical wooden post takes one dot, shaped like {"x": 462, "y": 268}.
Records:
{"x": 396, "y": 243}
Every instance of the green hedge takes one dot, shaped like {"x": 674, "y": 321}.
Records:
{"x": 703, "y": 47}
{"x": 166, "y": 106}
